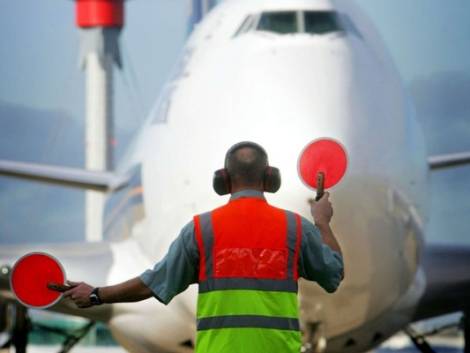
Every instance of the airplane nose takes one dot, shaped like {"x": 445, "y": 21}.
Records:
{"x": 293, "y": 78}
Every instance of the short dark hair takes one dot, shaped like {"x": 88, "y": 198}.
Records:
{"x": 246, "y": 163}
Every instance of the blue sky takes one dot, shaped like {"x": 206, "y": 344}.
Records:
{"x": 39, "y": 45}
{"x": 424, "y": 36}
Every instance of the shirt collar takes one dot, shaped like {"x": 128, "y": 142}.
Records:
{"x": 247, "y": 193}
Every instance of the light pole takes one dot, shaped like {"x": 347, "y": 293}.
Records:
{"x": 100, "y": 23}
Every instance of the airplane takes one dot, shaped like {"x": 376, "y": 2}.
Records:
{"x": 281, "y": 73}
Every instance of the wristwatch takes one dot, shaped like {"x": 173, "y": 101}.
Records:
{"x": 95, "y": 297}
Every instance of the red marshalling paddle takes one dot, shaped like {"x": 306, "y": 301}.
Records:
{"x": 31, "y": 279}
{"x": 322, "y": 164}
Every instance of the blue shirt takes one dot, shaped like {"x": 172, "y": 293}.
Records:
{"x": 180, "y": 266}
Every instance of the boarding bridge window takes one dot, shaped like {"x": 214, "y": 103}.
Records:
{"x": 278, "y": 22}
{"x": 321, "y": 22}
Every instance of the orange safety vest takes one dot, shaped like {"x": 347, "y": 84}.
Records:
{"x": 247, "y": 300}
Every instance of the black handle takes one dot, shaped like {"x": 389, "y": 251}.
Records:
{"x": 58, "y": 287}
{"x": 320, "y": 185}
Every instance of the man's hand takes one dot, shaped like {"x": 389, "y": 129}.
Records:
{"x": 79, "y": 292}
{"x": 129, "y": 291}
{"x": 322, "y": 211}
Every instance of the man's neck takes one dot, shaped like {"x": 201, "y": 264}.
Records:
{"x": 247, "y": 193}
{"x": 236, "y": 188}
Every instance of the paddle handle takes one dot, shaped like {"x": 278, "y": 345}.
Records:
{"x": 58, "y": 287}
{"x": 320, "y": 185}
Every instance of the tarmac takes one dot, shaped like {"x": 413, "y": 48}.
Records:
{"x": 78, "y": 349}
{"x": 397, "y": 344}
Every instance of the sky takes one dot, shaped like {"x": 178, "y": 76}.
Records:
{"x": 430, "y": 43}
{"x": 41, "y": 86}
{"x": 40, "y": 56}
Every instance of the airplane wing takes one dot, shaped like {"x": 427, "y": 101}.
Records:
{"x": 448, "y": 160}
{"x": 446, "y": 267}
{"x": 447, "y": 272}
{"x": 71, "y": 177}
{"x": 89, "y": 262}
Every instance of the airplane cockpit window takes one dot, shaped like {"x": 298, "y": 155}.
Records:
{"x": 321, "y": 22}
{"x": 246, "y": 25}
{"x": 278, "y": 22}
{"x": 293, "y": 22}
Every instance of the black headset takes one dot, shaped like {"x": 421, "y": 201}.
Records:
{"x": 221, "y": 181}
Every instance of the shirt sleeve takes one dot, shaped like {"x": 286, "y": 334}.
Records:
{"x": 317, "y": 261}
{"x": 177, "y": 270}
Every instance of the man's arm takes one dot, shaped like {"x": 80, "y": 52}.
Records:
{"x": 322, "y": 212}
{"x": 132, "y": 290}
{"x": 320, "y": 257}
{"x": 173, "y": 274}
{"x": 329, "y": 238}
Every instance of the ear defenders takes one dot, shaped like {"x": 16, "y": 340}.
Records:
{"x": 221, "y": 181}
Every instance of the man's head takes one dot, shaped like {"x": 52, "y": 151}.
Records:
{"x": 246, "y": 167}
{"x": 246, "y": 164}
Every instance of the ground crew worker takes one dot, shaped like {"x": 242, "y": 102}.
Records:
{"x": 246, "y": 257}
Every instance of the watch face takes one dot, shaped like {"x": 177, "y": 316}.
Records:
{"x": 94, "y": 299}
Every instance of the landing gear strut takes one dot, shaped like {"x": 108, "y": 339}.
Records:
{"x": 314, "y": 340}
{"x": 15, "y": 325}
{"x": 21, "y": 328}
{"x": 15, "y": 322}
{"x": 419, "y": 339}
{"x": 71, "y": 338}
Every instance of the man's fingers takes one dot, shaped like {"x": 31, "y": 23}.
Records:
{"x": 68, "y": 294}
{"x": 57, "y": 287}
{"x": 72, "y": 283}
{"x": 325, "y": 196}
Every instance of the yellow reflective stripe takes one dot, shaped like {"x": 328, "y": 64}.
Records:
{"x": 247, "y": 302}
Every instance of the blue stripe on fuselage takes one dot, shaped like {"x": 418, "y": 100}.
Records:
{"x": 199, "y": 9}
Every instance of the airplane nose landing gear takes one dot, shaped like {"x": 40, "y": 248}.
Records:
{"x": 419, "y": 340}
{"x": 314, "y": 338}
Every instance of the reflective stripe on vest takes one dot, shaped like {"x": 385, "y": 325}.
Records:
{"x": 248, "y": 278}
{"x": 281, "y": 323}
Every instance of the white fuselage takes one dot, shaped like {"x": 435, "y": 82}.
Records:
{"x": 282, "y": 91}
